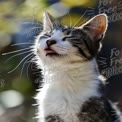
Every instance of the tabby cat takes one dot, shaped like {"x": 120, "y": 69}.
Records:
{"x": 72, "y": 88}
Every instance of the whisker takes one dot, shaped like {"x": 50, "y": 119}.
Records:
{"x": 20, "y": 62}
{"x": 103, "y": 64}
{"x": 21, "y": 44}
{"x": 16, "y": 51}
{"x": 24, "y": 65}
{"x": 61, "y": 47}
{"x": 16, "y": 55}
{"x": 103, "y": 58}
{"x": 91, "y": 13}
{"x": 33, "y": 23}
{"x": 70, "y": 19}
{"x": 119, "y": 3}
{"x": 33, "y": 59}
{"x": 103, "y": 61}
{"x": 30, "y": 63}
{"x": 80, "y": 18}
{"x": 34, "y": 26}
{"x": 83, "y": 21}
{"x": 34, "y": 68}
{"x": 120, "y": 8}
{"x": 33, "y": 29}
{"x": 27, "y": 22}
{"x": 37, "y": 72}
{"x": 91, "y": 8}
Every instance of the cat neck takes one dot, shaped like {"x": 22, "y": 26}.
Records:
{"x": 73, "y": 77}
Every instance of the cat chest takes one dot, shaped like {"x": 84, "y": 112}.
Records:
{"x": 64, "y": 101}
{"x": 62, "y": 105}
{"x": 62, "y": 108}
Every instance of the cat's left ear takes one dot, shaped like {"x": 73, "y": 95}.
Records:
{"x": 96, "y": 27}
{"x": 48, "y": 22}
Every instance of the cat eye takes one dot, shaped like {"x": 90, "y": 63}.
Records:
{"x": 45, "y": 36}
{"x": 67, "y": 32}
{"x": 67, "y": 37}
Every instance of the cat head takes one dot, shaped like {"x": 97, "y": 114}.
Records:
{"x": 59, "y": 44}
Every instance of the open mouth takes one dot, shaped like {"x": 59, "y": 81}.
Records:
{"x": 50, "y": 52}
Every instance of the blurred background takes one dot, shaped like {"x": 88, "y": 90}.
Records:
{"x": 20, "y": 23}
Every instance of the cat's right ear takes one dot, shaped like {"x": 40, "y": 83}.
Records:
{"x": 96, "y": 27}
{"x": 48, "y": 22}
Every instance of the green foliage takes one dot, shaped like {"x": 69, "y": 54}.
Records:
{"x": 12, "y": 11}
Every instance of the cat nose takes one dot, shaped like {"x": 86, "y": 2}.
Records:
{"x": 50, "y": 42}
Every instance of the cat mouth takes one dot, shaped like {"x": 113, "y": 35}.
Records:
{"x": 50, "y": 52}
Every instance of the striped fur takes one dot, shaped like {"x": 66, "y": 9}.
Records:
{"x": 72, "y": 87}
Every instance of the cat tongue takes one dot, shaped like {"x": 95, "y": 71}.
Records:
{"x": 49, "y": 51}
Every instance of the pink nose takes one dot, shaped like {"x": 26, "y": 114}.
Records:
{"x": 50, "y": 42}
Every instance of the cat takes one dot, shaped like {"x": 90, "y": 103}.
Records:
{"x": 73, "y": 90}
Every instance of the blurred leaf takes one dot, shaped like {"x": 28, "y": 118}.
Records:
{"x": 22, "y": 84}
{"x": 74, "y": 20}
{"x": 6, "y": 7}
{"x": 84, "y": 3}
{"x": 9, "y": 25}
{"x": 11, "y": 13}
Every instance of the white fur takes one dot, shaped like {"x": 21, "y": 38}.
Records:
{"x": 118, "y": 113}
{"x": 66, "y": 89}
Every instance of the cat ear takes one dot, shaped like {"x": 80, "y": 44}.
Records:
{"x": 96, "y": 27}
{"x": 48, "y": 21}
